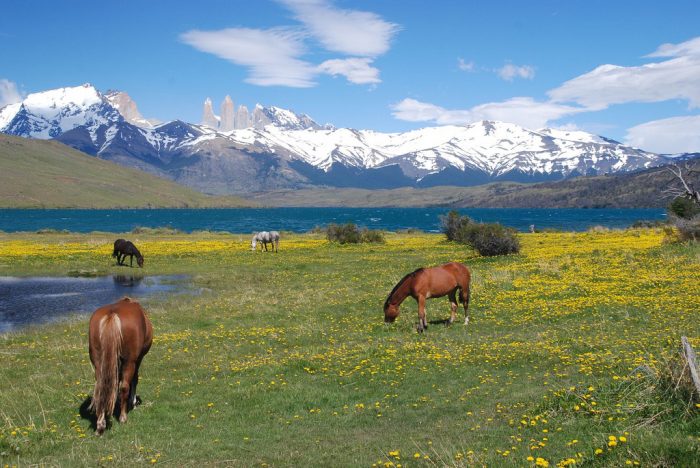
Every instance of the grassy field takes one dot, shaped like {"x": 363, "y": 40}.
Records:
{"x": 284, "y": 359}
{"x": 48, "y": 174}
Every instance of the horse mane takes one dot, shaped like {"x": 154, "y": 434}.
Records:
{"x": 398, "y": 285}
{"x": 137, "y": 253}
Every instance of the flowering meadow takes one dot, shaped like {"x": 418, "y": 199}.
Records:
{"x": 284, "y": 359}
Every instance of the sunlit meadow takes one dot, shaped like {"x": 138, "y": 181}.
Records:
{"x": 284, "y": 359}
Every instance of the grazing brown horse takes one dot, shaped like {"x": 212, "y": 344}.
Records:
{"x": 120, "y": 336}
{"x": 122, "y": 248}
{"x": 425, "y": 283}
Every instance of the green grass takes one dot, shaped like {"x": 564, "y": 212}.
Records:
{"x": 48, "y": 174}
{"x": 284, "y": 359}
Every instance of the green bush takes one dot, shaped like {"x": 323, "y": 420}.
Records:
{"x": 351, "y": 234}
{"x": 453, "y": 224}
{"x": 492, "y": 239}
{"x": 684, "y": 208}
{"x": 488, "y": 239}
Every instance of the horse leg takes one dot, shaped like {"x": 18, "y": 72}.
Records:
{"x": 422, "y": 323}
{"x": 124, "y": 388}
{"x": 131, "y": 260}
{"x": 453, "y": 307}
{"x": 134, "y": 383}
{"x": 101, "y": 423}
{"x": 464, "y": 297}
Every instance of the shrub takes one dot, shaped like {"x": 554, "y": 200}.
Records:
{"x": 491, "y": 239}
{"x": 640, "y": 224}
{"x": 350, "y": 234}
{"x": 452, "y": 225}
{"x": 488, "y": 239}
{"x": 165, "y": 230}
{"x": 688, "y": 229}
{"x": 372, "y": 236}
{"x": 683, "y": 208}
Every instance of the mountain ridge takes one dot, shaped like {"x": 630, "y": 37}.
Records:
{"x": 292, "y": 151}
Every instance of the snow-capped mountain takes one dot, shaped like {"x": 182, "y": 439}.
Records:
{"x": 495, "y": 148}
{"x": 281, "y": 149}
{"x": 49, "y": 114}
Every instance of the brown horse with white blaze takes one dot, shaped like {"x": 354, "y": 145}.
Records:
{"x": 120, "y": 336}
{"x": 426, "y": 283}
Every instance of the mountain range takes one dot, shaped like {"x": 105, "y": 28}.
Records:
{"x": 280, "y": 149}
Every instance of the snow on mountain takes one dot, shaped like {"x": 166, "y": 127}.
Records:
{"x": 110, "y": 126}
{"x": 8, "y": 113}
{"x": 495, "y": 148}
{"x": 50, "y": 113}
{"x": 283, "y": 118}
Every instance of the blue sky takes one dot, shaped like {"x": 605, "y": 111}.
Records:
{"x": 626, "y": 70}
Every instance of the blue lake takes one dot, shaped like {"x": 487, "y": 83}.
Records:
{"x": 245, "y": 220}
{"x": 36, "y": 300}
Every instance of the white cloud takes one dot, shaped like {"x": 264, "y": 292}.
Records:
{"x": 523, "y": 111}
{"x": 509, "y": 72}
{"x": 691, "y": 47}
{"x": 9, "y": 94}
{"x": 356, "y": 70}
{"x": 466, "y": 66}
{"x": 676, "y": 78}
{"x": 350, "y": 32}
{"x": 272, "y": 55}
{"x": 672, "y": 135}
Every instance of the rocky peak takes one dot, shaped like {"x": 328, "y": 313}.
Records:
{"x": 127, "y": 108}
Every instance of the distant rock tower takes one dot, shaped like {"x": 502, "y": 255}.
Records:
{"x": 227, "y": 120}
{"x": 242, "y": 119}
{"x": 208, "y": 117}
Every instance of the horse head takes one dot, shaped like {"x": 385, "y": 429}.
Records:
{"x": 139, "y": 261}
{"x": 391, "y": 311}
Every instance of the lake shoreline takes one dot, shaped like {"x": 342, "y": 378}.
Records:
{"x": 298, "y": 220}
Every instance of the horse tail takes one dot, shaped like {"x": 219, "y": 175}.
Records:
{"x": 107, "y": 379}
{"x": 466, "y": 288}
{"x": 464, "y": 299}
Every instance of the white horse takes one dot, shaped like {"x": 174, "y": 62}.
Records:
{"x": 265, "y": 237}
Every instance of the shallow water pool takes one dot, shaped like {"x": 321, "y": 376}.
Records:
{"x": 37, "y": 300}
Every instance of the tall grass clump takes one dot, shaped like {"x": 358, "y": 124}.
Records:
{"x": 488, "y": 239}
{"x": 351, "y": 234}
{"x": 684, "y": 214}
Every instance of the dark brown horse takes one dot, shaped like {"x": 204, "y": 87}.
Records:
{"x": 122, "y": 248}
{"x": 120, "y": 336}
{"x": 425, "y": 283}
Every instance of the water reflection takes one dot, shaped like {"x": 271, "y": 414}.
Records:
{"x": 36, "y": 300}
{"x": 127, "y": 281}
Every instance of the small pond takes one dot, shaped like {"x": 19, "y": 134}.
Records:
{"x": 37, "y": 300}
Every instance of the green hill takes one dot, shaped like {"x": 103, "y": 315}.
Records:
{"x": 48, "y": 174}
